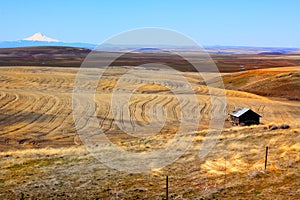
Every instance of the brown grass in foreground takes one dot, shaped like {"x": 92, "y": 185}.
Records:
{"x": 73, "y": 173}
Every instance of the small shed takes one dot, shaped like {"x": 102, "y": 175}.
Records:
{"x": 244, "y": 116}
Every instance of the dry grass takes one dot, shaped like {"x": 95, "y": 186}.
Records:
{"x": 273, "y": 82}
{"x": 42, "y": 158}
{"x": 73, "y": 173}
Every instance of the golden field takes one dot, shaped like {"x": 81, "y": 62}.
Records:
{"x": 43, "y": 158}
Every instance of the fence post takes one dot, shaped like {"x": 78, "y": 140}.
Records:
{"x": 167, "y": 187}
{"x": 266, "y": 158}
{"x": 225, "y": 174}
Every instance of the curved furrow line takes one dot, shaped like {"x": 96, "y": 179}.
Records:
{"x": 143, "y": 109}
{"x": 139, "y": 114}
{"x": 121, "y": 117}
{"x": 17, "y": 103}
{"x": 263, "y": 107}
{"x": 136, "y": 81}
{"x": 31, "y": 123}
{"x": 204, "y": 104}
{"x": 192, "y": 108}
{"x": 208, "y": 109}
{"x": 10, "y": 120}
{"x": 133, "y": 110}
{"x": 215, "y": 106}
{"x": 48, "y": 118}
{"x": 67, "y": 119}
{"x": 107, "y": 89}
{"x": 5, "y": 99}
{"x": 59, "y": 82}
{"x": 181, "y": 110}
{"x": 59, "y": 117}
{"x": 195, "y": 106}
{"x": 9, "y": 101}
{"x": 107, "y": 123}
{"x": 201, "y": 90}
{"x": 46, "y": 80}
{"x": 157, "y": 99}
{"x": 203, "y": 108}
{"x": 159, "y": 102}
{"x": 7, "y": 79}
{"x": 259, "y": 108}
{"x": 16, "y": 99}
{"x": 105, "y": 115}
{"x": 3, "y": 95}
{"x": 111, "y": 125}
{"x": 165, "y": 105}
{"x": 186, "y": 103}
{"x": 84, "y": 111}
{"x": 134, "y": 118}
{"x": 175, "y": 110}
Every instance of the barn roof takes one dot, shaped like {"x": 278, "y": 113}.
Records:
{"x": 240, "y": 111}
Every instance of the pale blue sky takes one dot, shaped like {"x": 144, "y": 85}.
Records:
{"x": 209, "y": 22}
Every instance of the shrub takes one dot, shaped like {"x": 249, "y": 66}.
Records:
{"x": 273, "y": 127}
{"x": 284, "y": 126}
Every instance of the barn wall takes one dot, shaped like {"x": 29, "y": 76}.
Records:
{"x": 248, "y": 118}
{"x": 234, "y": 120}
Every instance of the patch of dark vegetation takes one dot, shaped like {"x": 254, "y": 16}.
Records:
{"x": 73, "y": 57}
{"x": 281, "y": 126}
{"x": 284, "y": 126}
{"x": 271, "y": 53}
{"x": 43, "y": 56}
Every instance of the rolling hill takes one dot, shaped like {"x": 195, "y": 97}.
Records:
{"x": 42, "y": 156}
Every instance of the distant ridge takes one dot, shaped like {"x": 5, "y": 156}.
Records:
{"x": 38, "y": 39}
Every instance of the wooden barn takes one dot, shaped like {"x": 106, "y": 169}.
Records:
{"x": 244, "y": 116}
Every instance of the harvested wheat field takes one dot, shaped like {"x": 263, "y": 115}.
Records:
{"x": 42, "y": 157}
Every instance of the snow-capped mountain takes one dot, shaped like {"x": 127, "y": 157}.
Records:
{"x": 40, "y": 37}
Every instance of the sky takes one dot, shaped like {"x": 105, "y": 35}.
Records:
{"x": 273, "y": 23}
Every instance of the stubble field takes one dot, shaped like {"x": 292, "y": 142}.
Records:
{"x": 43, "y": 157}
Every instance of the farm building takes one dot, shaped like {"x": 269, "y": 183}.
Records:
{"x": 244, "y": 116}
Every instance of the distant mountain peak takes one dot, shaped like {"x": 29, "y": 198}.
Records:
{"x": 40, "y": 37}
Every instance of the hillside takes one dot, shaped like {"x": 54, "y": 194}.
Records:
{"x": 273, "y": 82}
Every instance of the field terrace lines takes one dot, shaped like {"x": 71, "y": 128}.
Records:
{"x": 36, "y": 120}
{"x": 36, "y": 103}
{"x": 17, "y": 111}
{"x": 140, "y": 114}
{"x": 36, "y": 112}
{"x": 8, "y": 99}
{"x": 39, "y": 80}
{"x": 103, "y": 111}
